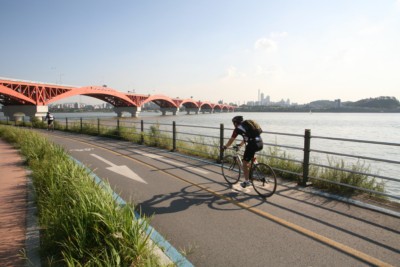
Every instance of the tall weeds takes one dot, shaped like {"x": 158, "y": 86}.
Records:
{"x": 81, "y": 223}
{"x": 354, "y": 178}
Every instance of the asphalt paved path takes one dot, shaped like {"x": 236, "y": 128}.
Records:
{"x": 218, "y": 225}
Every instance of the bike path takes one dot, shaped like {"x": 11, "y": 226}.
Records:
{"x": 219, "y": 225}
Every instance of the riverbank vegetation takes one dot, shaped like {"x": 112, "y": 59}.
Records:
{"x": 81, "y": 223}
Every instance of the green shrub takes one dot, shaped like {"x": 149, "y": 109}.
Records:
{"x": 155, "y": 137}
{"x": 198, "y": 146}
{"x": 355, "y": 179}
{"x": 38, "y": 123}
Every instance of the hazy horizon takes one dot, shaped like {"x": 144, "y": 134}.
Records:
{"x": 209, "y": 50}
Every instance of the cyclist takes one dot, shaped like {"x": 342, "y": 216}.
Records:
{"x": 50, "y": 121}
{"x": 253, "y": 144}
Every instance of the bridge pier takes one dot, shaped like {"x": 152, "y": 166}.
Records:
{"x": 134, "y": 111}
{"x": 209, "y": 110}
{"x": 19, "y": 111}
{"x": 165, "y": 110}
{"x": 195, "y": 110}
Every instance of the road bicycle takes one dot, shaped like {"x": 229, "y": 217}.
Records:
{"x": 261, "y": 175}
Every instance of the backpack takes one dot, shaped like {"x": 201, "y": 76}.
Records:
{"x": 252, "y": 128}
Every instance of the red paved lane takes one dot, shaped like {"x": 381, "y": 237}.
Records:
{"x": 13, "y": 205}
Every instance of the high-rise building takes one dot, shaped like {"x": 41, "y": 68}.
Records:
{"x": 337, "y": 103}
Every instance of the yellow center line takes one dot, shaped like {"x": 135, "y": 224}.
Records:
{"x": 346, "y": 249}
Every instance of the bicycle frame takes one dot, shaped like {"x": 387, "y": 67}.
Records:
{"x": 238, "y": 155}
{"x": 261, "y": 175}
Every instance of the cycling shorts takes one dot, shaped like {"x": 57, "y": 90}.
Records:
{"x": 252, "y": 147}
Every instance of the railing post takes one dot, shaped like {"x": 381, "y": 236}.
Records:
{"x": 66, "y": 124}
{"x": 306, "y": 157}
{"x": 221, "y": 142}
{"x": 141, "y": 132}
{"x": 173, "y": 136}
{"x": 118, "y": 133}
{"x": 98, "y": 126}
{"x": 7, "y": 120}
{"x": 81, "y": 125}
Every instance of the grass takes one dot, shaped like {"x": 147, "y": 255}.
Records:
{"x": 198, "y": 146}
{"x": 353, "y": 178}
{"x": 279, "y": 159}
{"x": 81, "y": 223}
{"x": 155, "y": 137}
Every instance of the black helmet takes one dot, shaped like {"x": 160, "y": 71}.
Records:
{"x": 237, "y": 119}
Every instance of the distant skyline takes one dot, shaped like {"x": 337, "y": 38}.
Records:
{"x": 209, "y": 50}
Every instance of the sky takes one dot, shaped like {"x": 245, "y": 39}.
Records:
{"x": 210, "y": 50}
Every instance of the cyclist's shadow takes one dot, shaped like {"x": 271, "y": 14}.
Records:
{"x": 192, "y": 196}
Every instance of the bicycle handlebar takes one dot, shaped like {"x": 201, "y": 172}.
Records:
{"x": 234, "y": 147}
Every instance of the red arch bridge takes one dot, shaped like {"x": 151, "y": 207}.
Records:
{"x": 27, "y": 98}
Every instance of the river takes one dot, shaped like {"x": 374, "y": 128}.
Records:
{"x": 383, "y": 127}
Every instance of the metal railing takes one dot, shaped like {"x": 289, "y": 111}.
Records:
{"x": 347, "y": 155}
{"x": 206, "y": 141}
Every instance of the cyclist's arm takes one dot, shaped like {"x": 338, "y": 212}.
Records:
{"x": 230, "y": 141}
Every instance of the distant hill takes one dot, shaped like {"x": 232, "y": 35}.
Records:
{"x": 382, "y": 102}
{"x": 378, "y": 103}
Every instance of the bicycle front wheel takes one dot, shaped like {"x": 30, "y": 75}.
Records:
{"x": 264, "y": 180}
{"x": 231, "y": 169}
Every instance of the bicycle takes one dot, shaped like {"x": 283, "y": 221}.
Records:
{"x": 50, "y": 125}
{"x": 261, "y": 175}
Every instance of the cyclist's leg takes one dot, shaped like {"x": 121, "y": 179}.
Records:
{"x": 247, "y": 157}
{"x": 246, "y": 169}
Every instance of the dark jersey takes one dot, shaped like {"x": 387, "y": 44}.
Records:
{"x": 252, "y": 145}
{"x": 49, "y": 117}
{"x": 240, "y": 130}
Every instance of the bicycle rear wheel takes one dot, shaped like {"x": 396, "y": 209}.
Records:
{"x": 264, "y": 180}
{"x": 231, "y": 169}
